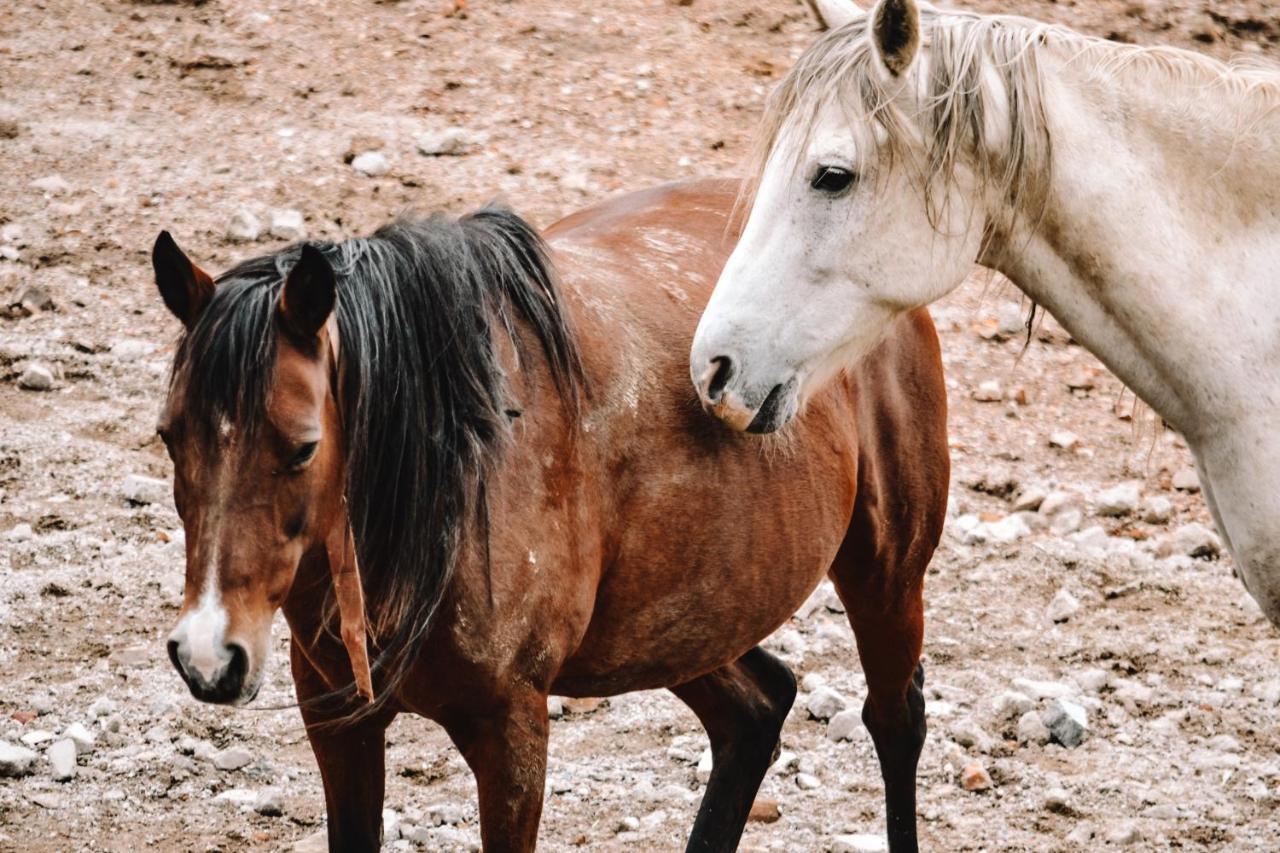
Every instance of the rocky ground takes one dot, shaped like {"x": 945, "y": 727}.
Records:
{"x": 1096, "y": 674}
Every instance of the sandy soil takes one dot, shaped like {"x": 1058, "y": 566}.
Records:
{"x": 180, "y": 115}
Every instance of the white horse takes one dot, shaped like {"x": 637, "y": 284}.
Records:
{"x": 1134, "y": 192}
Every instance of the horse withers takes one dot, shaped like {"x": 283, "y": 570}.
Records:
{"x": 531, "y": 502}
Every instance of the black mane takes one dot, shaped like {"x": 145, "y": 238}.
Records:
{"x": 420, "y": 308}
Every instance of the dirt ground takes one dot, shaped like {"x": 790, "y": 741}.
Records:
{"x": 120, "y": 119}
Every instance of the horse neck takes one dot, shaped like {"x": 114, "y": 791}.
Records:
{"x": 1160, "y": 241}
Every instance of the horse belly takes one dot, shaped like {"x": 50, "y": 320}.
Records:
{"x": 712, "y": 568}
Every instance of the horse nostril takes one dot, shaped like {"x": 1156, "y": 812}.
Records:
{"x": 172, "y": 647}
{"x": 235, "y": 672}
{"x": 719, "y": 379}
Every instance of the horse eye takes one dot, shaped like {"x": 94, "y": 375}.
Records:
{"x": 303, "y": 455}
{"x": 832, "y": 180}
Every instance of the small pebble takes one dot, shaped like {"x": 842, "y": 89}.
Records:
{"x": 15, "y": 760}
{"x": 807, "y": 782}
{"x": 1186, "y": 480}
{"x": 452, "y": 141}
{"x": 234, "y": 758}
{"x": 1063, "y": 606}
{"x": 844, "y": 725}
{"x": 974, "y": 777}
{"x": 244, "y": 227}
{"x": 36, "y": 377}
{"x": 288, "y": 225}
{"x": 1067, "y": 722}
{"x": 371, "y": 164}
{"x": 824, "y": 703}
{"x": 62, "y": 758}
{"x": 859, "y": 843}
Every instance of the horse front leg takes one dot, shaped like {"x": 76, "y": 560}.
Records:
{"x": 352, "y": 760}
{"x": 506, "y": 749}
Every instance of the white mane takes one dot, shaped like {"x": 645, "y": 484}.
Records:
{"x": 983, "y": 72}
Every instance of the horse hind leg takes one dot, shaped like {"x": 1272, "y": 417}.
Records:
{"x": 888, "y": 625}
{"x": 742, "y": 706}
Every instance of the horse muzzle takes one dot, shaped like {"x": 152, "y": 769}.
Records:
{"x": 745, "y": 408}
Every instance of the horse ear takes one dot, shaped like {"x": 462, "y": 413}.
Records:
{"x": 307, "y": 299}
{"x": 833, "y": 14}
{"x": 895, "y": 32}
{"x": 185, "y": 288}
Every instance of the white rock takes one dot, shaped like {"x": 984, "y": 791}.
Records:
{"x": 807, "y": 782}
{"x": 1156, "y": 510}
{"x": 1067, "y": 722}
{"x": 1063, "y": 606}
{"x": 36, "y": 377}
{"x": 316, "y": 842}
{"x": 705, "y": 763}
{"x": 787, "y": 763}
{"x": 269, "y": 803}
{"x": 1224, "y": 743}
{"x": 1007, "y": 530}
{"x": 372, "y": 164}
{"x": 51, "y": 184}
{"x": 446, "y": 814}
{"x": 15, "y": 760}
{"x": 969, "y": 734}
{"x": 144, "y": 490}
{"x": 1057, "y": 800}
{"x": 450, "y": 141}
{"x": 37, "y": 737}
{"x": 287, "y": 225}
{"x": 824, "y": 703}
{"x": 1093, "y": 538}
{"x": 62, "y": 758}
{"x": 244, "y": 227}
{"x": 1011, "y": 528}
{"x": 1043, "y": 689}
{"x": 1010, "y": 705}
{"x": 844, "y": 725}
{"x": 81, "y": 736}
{"x": 1056, "y": 502}
{"x": 1124, "y": 833}
{"x": 629, "y": 823}
{"x": 1093, "y": 680}
{"x": 1010, "y": 320}
{"x": 1119, "y": 500}
{"x": 812, "y": 681}
{"x": 1196, "y": 540}
{"x": 555, "y": 707}
{"x": 132, "y": 350}
{"x": 238, "y": 797}
{"x": 1081, "y": 835}
{"x": 989, "y": 392}
{"x": 103, "y": 707}
{"x": 1032, "y": 730}
{"x": 390, "y": 825}
{"x": 1030, "y": 499}
{"x": 1064, "y": 439}
{"x": 859, "y": 843}
{"x": 20, "y": 533}
{"x": 233, "y": 758}
{"x": 1067, "y": 521}
{"x": 1186, "y": 480}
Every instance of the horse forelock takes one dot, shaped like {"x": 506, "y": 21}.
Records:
{"x": 421, "y": 308}
{"x": 998, "y": 131}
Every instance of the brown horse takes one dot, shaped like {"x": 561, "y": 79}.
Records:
{"x": 537, "y": 502}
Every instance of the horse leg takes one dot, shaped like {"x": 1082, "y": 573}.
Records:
{"x": 888, "y": 624}
{"x": 351, "y": 759}
{"x": 742, "y": 706}
{"x": 506, "y": 749}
